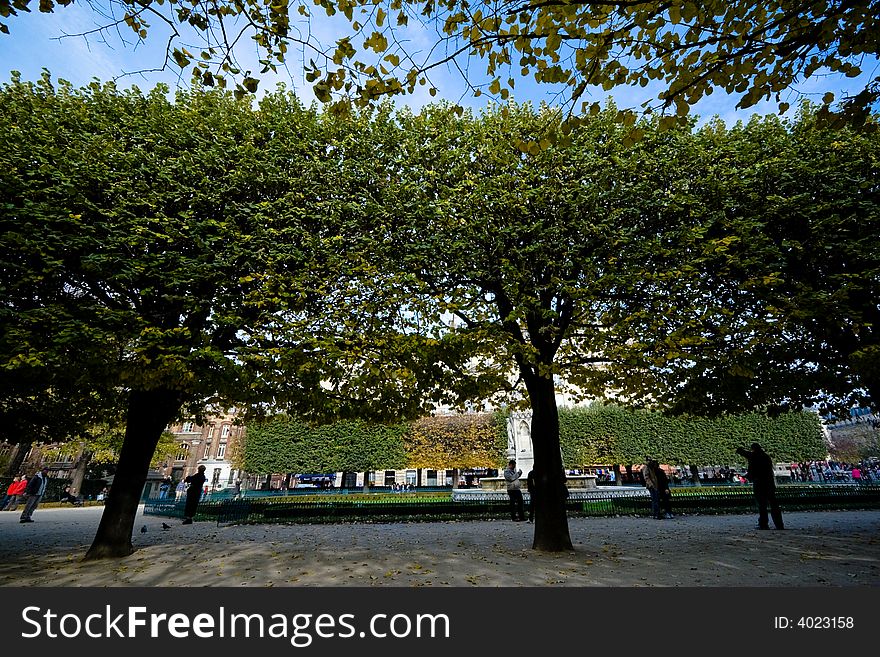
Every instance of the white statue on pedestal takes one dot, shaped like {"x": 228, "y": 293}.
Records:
{"x": 519, "y": 440}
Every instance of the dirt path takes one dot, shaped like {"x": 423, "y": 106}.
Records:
{"x": 822, "y": 548}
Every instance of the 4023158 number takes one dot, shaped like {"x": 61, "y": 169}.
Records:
{"x": 825, "y": 623}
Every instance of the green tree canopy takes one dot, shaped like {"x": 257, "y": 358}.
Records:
{"x": 777, "y": 299}
{"x": 157, "y": 242}
{"x": 755, "y": 50}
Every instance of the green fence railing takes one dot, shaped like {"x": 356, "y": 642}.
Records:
{"x": 389, "y": 508}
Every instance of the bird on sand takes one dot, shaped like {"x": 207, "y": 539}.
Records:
{"x": 166, "y": 526}
{"x": 144, "y": 529}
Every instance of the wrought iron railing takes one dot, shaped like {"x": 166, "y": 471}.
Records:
{"x": 391, "y": 508}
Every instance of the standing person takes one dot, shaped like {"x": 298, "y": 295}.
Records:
{"x": 530, "y": 486}
{"x": 664, "y": 496}
{"x": 34, "y": 492}
{"x": 193, "y": 494}
{"x": 13, "y": 491}
{"x": 856, "y": 474}
{"x": 649, "y": 475}
{"x": 764, "y": 482}
{"x": 514, "y": 492}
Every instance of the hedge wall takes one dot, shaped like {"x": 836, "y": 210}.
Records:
{"x": 597, "y": 434}
{"x": 593, "y": 435}
{"x": 457, "y": 441}
{"x": 289, "y": 445}
{"x": 285, "y": 444}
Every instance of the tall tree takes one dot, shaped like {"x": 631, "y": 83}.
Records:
{"x": 524, "y": 254}
{"x": 191, "y": 252}
{"x": 146, "y": 230}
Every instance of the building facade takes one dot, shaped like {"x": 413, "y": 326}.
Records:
{"x": 211, "y": 444}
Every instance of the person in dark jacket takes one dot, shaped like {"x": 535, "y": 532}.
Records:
{"x": 530, "y": 486}
{"x": 34, "y": 492}
{"x": 763, "y": 480}
{"x": 514, "y": 492}
{"x": 664, "y": 496}
{"x": 193, "y": 494}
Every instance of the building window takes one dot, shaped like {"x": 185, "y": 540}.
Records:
{"x": 207, "y": 450}
{"x": 389, "y": 477}
{"x": 225, "y": 431}
{"x": 188, "y": 427}
{"x": 221, "y": 450}
{"x": 183, "y": 453}
{"x": 411, "y": 477}
{"x": 432, "y": 478}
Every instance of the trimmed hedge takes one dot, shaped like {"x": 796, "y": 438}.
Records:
{"x": 593, "y": 435}
{"x": 610, "y": 434}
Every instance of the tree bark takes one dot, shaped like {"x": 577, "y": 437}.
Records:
{"x": 695, "y": 476}
{"x": 551, "y": 521}
{"x": 149, "y": 412}
{"x": 618, "y": 476}
{"x": 14, "y": 467}
{"x": 79, "y": 472}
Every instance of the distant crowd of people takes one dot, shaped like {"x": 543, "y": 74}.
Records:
{"x": 832, "y": 471}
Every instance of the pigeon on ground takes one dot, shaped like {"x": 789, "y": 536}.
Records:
{"x": 166, "y": 526}
{"x": 144, "y": 529}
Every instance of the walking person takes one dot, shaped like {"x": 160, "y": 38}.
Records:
{"x": 763, "y": 480}
{"x": 514, "y": 492}
{"x": 649, "y": 475}
{"x": 34, "y": 492}
{"x": 193, "y": 494}
{"x": 530, "y": 486}
{"x": 664, "y": 496}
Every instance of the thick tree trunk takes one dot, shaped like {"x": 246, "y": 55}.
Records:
{"x": 618, "y": 476}
{"x": 551, "y": 521}
{"x": 695, "y": 476}
{"x": 149, "y": 412}
{"x": 14, "y": 467}
{"x": 79, "y": 472}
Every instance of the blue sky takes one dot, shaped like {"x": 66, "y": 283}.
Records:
{"x": 34, "y": 44}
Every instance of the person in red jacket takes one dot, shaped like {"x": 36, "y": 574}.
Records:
{"x": 14, "y": 492}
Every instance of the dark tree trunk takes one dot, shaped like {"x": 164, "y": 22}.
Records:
{"x": 149, "y": 412}
{"x": 695, "y": 475}
{"x": 79, "y": 472}
{"x": 551, "y": 521}
{"x": 872, "y": 385}
{"x": 366, "y": 488}
{"x": 14, "y": 467}
{"x": 618, "y": 477}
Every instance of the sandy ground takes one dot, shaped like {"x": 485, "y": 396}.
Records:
{"x": 816, "y": 549}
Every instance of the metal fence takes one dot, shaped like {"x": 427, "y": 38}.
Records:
{"x": 390, "y": 508}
